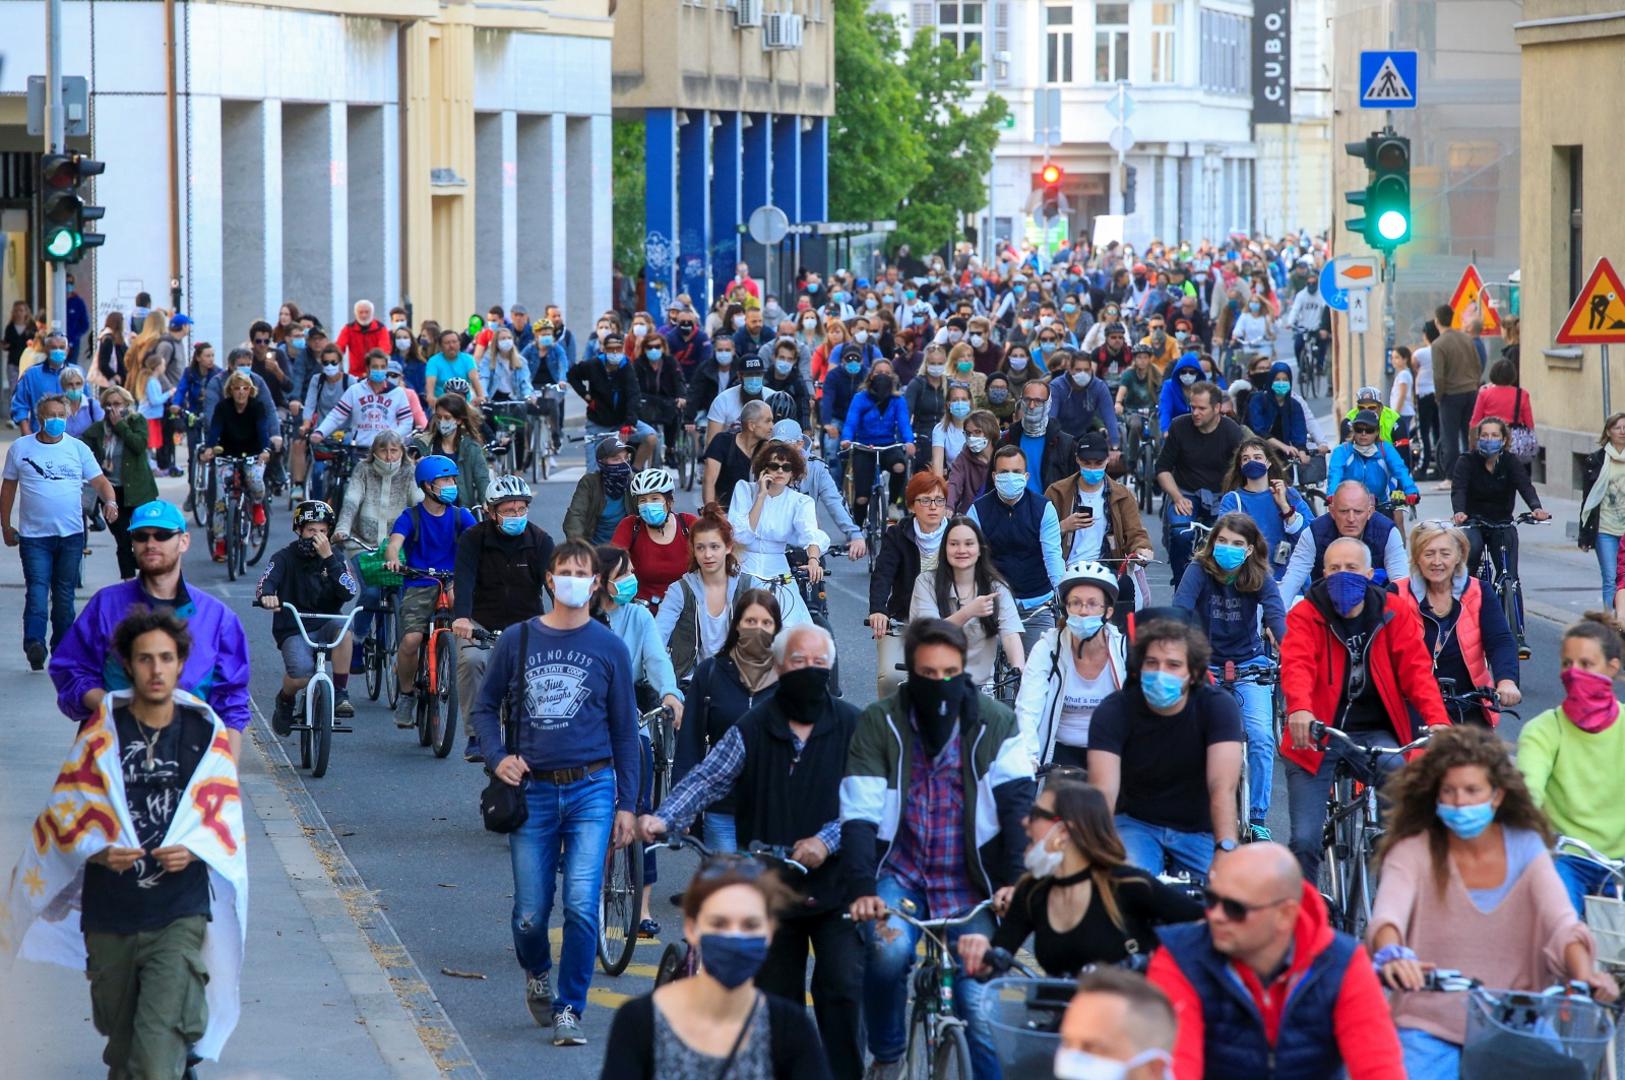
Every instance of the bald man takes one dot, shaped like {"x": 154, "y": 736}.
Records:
{"x": 1118, "y": 1024}
{"x": 1267, "y": 944}
{"x": 1352, "y": 513}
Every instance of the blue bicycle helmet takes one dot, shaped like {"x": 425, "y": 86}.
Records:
{"x": 433, "y": 468}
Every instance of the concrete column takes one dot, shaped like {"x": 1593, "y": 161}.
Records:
{"x": 815, "y": 170}
{"x": 307, "y": 206}
{"x": 367, "y": 208}
{"x": 755, "y": 188}
{"x": 543, "y": 223}
{"x": 394, "y": 243}
{"x": 660, "y": 204}
{"x": 694, "y": 207}
{"x": 202, "y": 258}
{"x": 591, "y": 203}
{"x": 786, "y": 190}
{"x": 247, "y": 238}
{"x": 488, "y": 235}
{"x": 510, "y": 207}
{"x": 338, "y": 174}
{"x": 726, "y": 215}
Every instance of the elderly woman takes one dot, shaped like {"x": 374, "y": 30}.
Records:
{"x": 119, "y": 441}
{"x": 375, "y": 496}
{"x": 83, "y": 410}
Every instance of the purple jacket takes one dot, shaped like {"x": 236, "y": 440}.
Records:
{"x": 216, "y": 669}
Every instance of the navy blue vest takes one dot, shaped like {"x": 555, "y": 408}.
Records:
{"x": 1375, "y": 537}
{"x": 1235, "y": 1047}
{"x": 1012, "y": 535}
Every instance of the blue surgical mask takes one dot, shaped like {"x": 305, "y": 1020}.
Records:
{"x": 1084, "y": 627}
{"x": 54, "y": 427}
{"x": 654, "y": 354}
{"x": 1162, "y": 689}
{"x": 959, "y": 409}
{"x": 1092, "y": 476}
{"x": 1281, "y": 387}
{"x": 654, "y": 513}
{"x": 296, "y": 343}
{"x": 1019, "y": 290}
{"x": 377, "y": 376}
{"x": 1347, "y": 590}
{"x": 853, "y": 367}
{"x": 725, "y": 357}
{"x": 1252, "y": 470}
{"x": 74, "y": 395}
{"x": 614, "y": 359}
{"x": 1229, "y": 557}
{"x": 545, "y": 341}
{"x": 1467, "y": 821}
{"x": 753, "y": 384}
{"x": 1490, "y": 447}
{"x": 1010, "y": 485}
{"x": 1069, "y": 308}
{"x": 626, "y": 589}
{"x": 57, "y": 356}
{"x": 732, "y": 959}
{"x": 447, "y": 494}
{"x": 514, "y": 526}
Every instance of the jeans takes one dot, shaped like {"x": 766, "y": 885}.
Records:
{"x": 1427, "y": 428}
{"x": 1454, "y": 412}
{"x": 1428, "y": 1057}
{"x": 1306, "y": 795}
{"x": 1608, "y": 562}
{"x": 1257, "y": 717}
{"x": 1154, "y": 848}
{"x": 1033, "y": 622}
{"x": 837, "y": 982}
{"x": 50, "y": 574}
{"x": 886, "y": 982}
{"x": 718, "y": 832}
{"x": 1178, "y": 540}
{"x": 1582, "y": 878}
{"x": 577, "y": 817}
{"x": 640, "y": 431}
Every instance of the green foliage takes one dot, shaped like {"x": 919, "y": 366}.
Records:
{"x": 628, "y": 186}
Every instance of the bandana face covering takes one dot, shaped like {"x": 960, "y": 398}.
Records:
{"x": 1589, "y": 702}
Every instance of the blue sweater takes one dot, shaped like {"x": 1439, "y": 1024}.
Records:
{"x": 651, "y": 662}
{"x": 870, "y": 424}
{"x": 1260, "y": 506}
{"x": 578, "y": 702}
{"x": 1380, "y": 473}
{"x": 1230, "y": 616}
{"x": 1173, "y": 403}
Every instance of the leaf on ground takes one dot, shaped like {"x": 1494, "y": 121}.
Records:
{"x": 462, "y": 974}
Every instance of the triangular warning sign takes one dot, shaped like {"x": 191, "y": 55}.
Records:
{"x": 1470, "y": 301}
{"x": 1388, "y": 84}
{"x": 1598, "y": 314}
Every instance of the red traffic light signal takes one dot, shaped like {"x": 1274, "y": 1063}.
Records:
{"x": 1050, "y": 174}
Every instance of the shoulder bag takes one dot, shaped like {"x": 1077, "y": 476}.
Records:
{"x": 502, "y": 805}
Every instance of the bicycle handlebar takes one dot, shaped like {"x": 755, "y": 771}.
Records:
{"x": 299, "y": 618}
{"x": 1521, "y": 519}
{"x": 1319, "y": 732}
{"x": 779, "y": 853}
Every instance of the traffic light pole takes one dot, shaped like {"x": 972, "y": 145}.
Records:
{"x": 56, "y": 295}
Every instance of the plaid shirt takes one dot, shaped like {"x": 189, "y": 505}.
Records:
{"x": 713, "y": 778}
{"x": 929, "y": 852}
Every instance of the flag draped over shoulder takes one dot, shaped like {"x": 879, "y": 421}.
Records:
{"x": 86, "y": 812}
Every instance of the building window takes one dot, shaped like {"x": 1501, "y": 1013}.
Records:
{"x": 1227, "y": 62}
{"x": 962, "y": 25}
{"x": 1058, "y": 39}
{"x": 1111, "y": 42}
{"x": 1164, "y": 17}
{"x": 1572, "y": 160}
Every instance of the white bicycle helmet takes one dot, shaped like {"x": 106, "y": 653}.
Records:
{"x": 653, "y": 482}
{"x": 1092, "y": 573}
{"x": 508, "y": 486}
{"x": 457, "y": 386}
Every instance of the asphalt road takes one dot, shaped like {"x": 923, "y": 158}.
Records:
{"x": 409, "y": 824}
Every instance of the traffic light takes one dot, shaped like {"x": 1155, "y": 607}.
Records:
{"x": 63, "y": 209}
{"x": 1386, "y": 198}
{"x": 1051, "y": 175}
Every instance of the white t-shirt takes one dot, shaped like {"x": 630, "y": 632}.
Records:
{"x": 49, "y": 477}
{"x": 1086, "y": 542}
{"x": 1424, "y": 370}
{"x": 1080, "y": 698}
{"x": 1408, "y": 406}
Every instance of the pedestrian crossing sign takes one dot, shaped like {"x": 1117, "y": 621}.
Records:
{"x": 1388, "y": 79}
{"x": 1598, "y": 314}
{"x": 1470, "y": 301}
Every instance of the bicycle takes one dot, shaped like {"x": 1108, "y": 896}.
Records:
{"x": 1499, "y": 576}
{"x": 199, "y": 479}
{"x": 316, "y": 699}
{"x": 874, "y": 514}
{"x": 1309, "y": 369}
{"x": 511, "y": 420}
{"x": 331, "y": 468}
{"x": 1471, "y": 701}
{"x": 1604, "y": 911}
{"x": 620, "y": 901}
{"x": 689, "y": 453}
{"x": 1230, "y": 677}
{"x": 1353, "y": 827}
{"x": 1006, "y": 680}
{"x": 242, "y": 533}
{"x": 436, "y": 680}
{"x": 543, "y": 436}
{"x": 1140, "y": 453}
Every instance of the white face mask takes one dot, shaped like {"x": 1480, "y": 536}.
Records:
{"x": 860, "y": 336}
{"x": 1040, "y": 861}
{"x": 330, "y": 370}
{"x": 572, "y": 592}
{"x": 1081, "y": 1065}
{"x": 936, "y": 371}
{"x": 1082, "y": 377}
{"x": 505, "y": 345}
{"x": 446, "y": 427}
{"x": 809, "y": 325}
{"x": 976, "y": 443}
{"x": 977, "y": 341}
{"x": 639, "y": 329}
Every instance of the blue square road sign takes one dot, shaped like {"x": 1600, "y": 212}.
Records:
{"x": 1388, "y": 79}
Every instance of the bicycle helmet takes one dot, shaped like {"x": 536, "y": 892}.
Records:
{"x": 784, "y": 406}
{"x": 1090, "y": 573}
{"x": 457, "y": 386}
{"x": 508, "y": 486}
{"x": 1142, "y": 349}
{"x": 653, "y": 482}
{"x": 433, "y": 467}
{"x": 313, "y": 510}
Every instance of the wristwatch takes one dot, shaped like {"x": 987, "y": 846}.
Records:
{"x": 1225, "y": 845}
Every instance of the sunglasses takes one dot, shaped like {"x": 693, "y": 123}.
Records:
{"x": 776, "y": 466}
{"x": 728, "y": 864}
{"x": 148, "y": 536}
{"x": 1039, "y": 813}
{"x": 1234, "y": 910}
{"x": 1365, "y": 431}
{"x": 262, "y": 341}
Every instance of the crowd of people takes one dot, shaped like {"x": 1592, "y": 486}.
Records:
{"x": 1048, "y": 756}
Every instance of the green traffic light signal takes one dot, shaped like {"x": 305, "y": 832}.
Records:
{"x": 62, "y": 244}
{"x": 64, "y": 210}
{"x": 1386, "y": 198}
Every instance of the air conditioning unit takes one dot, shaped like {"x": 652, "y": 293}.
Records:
{"x": 783, "y": 31}
{"x": 748, "y": 13}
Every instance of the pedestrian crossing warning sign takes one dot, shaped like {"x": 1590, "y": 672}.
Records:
{"x": 1387, "y": 85}
{"x": 1470, "y": 302}
{"x": 1388, "y": 79}
{"x": 1598, "y": 314}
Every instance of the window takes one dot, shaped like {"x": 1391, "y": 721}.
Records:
{"x": 1111, "y": 42}
{"x": 1164, "y": 17}
{"x": 961, "y": 24}
{"x": 1058, "y": 40}
{"x": 1227, "y": 44}
{"x": 1571, "y": 159}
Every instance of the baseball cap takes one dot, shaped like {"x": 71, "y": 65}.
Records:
{"x": 158, "y": 514}
{"x": 1364, "y": 416}
{"x": 1368, "y": 393}
{"x": 787, "y": 431}
{"x": 752, "y": 362}
{"x": 608, "y": 448}
{"x": 612, "y": 338}
{"x": 178, "y": 322}
{"x": 1092, "y": 446}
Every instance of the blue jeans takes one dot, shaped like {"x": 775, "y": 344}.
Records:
{"x": 1428, "y": 1057}
{"x": 640, "y": 431}
{"x": 1306, "y": 795}
{"x": 717, "y": 832}
{"x": 1582, "y": 878}
{"x": 1257, "y": 718}
{"x": 646, "y": 789}
{"x": 579, "y": 816}
{"x": 1608, "y": 562}
{"x": 1177, "y": 539}
{"x": 1154, "y": 848}
{"x": 886, "y": 981}
{"x": 50, "y": 574}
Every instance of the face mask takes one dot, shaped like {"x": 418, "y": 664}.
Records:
{"x": 959, "y": 409}
{"x": 1466, "y": 821}
{"x": 1034, "y": 423}
{"x": 1229, "y": 557}
{"x": 1084, "y": 627}
{"x": 447, "y": 494}
{"x": 54, "y": 427}
{"x": 57, "y": 356}
{"x": 1255, "y": 308}
{"x": 860, "y": 336}
{"x": 936, "y": 371}
{"x": 1082, "y": 377}
{"x": 297, "y": 344}
{"x": 955, "y": 336}
{"x": 654, "y": 513}
{"x": 445, "y": 427}
{"x": 1365, "y": 451}
{"x": 976, "y": 443}
{"x": 802, "y": 693}
{"x": 1069, "y": 308}
{"x": 1490, "y": 447}
{"x": 1589, "y": 700}
{"x": 1045, "y": 320}
{"x": 1018, "y": 363}
{"x": 1020, "y": 290}
{"x": 639, "y": 329}
{"x": 784, "y": 367}
{"x": 614, "y": 359}
{"x": 74, "y": 395}
{"x": 753, "y": 384}
{"x": 1253, "y": 470}
{"x": 1010, "y": 485}
{"x": 725, "y": 358}
{"x": 305, "y": 547}
{"x": 377, "y": 377}
{"x": 398, "y": 325}
{"x": 505, "y": 345}
{"x": 1081, "y": 1065}
{"x": 331, "y": 370}
{"x": 1186, "y": 378}
{"x": 739, "y": 322}
{"x": 386, "y": 468}
{"x": 998, "y": 395}
{"x": 545, "y": 341}
{"x": 1092, "y": 476}
{"x": 871, "y": 303}
{"x": 813, "y": 286}
{"x": 732, "y": 959}
{"x": 626, "y": 589}
{"x": 809, "y": 325}
{"x": 1162, "y": 689}
{"x": 572, "y": 591}
{"x": 880, "y": 387}
{"x": 514, "y": 526}
{"x": 654, "y": 354}
{"x": 1347, "y": 591}
{"x": 936, "y": 704}
{"x": 852, "y": 367}
{"x": 1281, "y": 388}
{"x": 1040, "y": 861}
{"x": 977, "y": 341}
{"x": 909, "y": 294}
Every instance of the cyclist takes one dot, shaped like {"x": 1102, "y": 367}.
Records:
{"x": 845, "y": 380}
{"x": 968, "y": 475}
{"x": 1100, "y": 519}
{"x": 1350, "y": 514}
{"x": 1166, "y": 752}
{"x": 1024, "y": 532}
{"x": 1279, "y": 416}
{"x": 693, "y": 619}
{"x": 768, "y": 515}
{"x": 878, "y": 416}
{"x": 782, "y": 380}
{"x": 455, "y": 433}
{"x": 1116, "y": 1024}
{"x": 1266, "y": 987}
{"x": 238, "y": 428}
{"x": 966, "y": 590}
{"x": 368, "y": 407}
{"x": 1047, "y": 449}
{"x": 1164, "y": 346}
{"x": 662, "y": 391}
{"x": 710, "y": 377}
{"x": 1057, "y": 698}
{"x": 1304, "y": 317}
{"x": 926, "y": 396}
{"x": 602, "y": 499}
{"x": 1138, "y": 387}
{"x": 657, "y": 538}
{"x": 728, "y": 455}
{"x": 1486, "y": 485}
{"x": 1229, "y": 587}
{"x": 1369, "y": 399}
{"x": 503, "y": 370}
{"x": 938, "y": 782}
{"x": 1016, "y": 367}
{"x": 1196, "y": 452}
{"x": 1177, "y": 384}
{"x": 1114, "y": 357}
{"x": 1079, "y": 402}
{"x": 451, "y": 362}
{"x": 1462, "y": 811}
{"x": 501, "y": 567}
{"x": 423, "y": 537}
{"x": 725, "y": 409}
{"x": 318, "y": 396}
{"x": 610, "y": 388}
{"x": 310, "y": 574}
{"x": 549, "y": 366}
{"x": 1077, "y": 874}
{"x": 1371, "y": 462}
{"x": 999, "y": 399}
{"x": 376, "y": 495}
{"x": 1352, "y": 662}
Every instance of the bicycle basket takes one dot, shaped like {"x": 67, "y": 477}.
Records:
{"x": 1534, "y": 1036}
{"x": 371, "y": 566}
{"x": 1025, "y": 1015}
{"x": 1605, "y": 915}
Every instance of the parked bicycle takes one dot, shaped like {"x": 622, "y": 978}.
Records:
{"x": 315, "y": 701}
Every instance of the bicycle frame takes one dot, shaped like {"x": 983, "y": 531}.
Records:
{"x": 322, "y": 649}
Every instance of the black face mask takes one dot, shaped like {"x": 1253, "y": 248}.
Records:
{"x": 802, "y": 692}
{"x": 1261, "y": 379}
{"x": 305, "y": 547}
{"x": 937, "y": 704}
{"x": 881, "y": 386}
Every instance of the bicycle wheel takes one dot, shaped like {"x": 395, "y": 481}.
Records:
{"x": 1511, "y": 591}
{"x": 197, "y": 482}
{"x": 619, "y": 903}
{"x": 234, "y": 539}
{"x": 321, "y": 719}
{"x": 952, "y": 1061}
{"x": 392, "y": 681}
{"x": 258, "y": 539}
{"x": 672, "y": 962}
{"x": 688, "y": 467}
{"x": 426, "y": 703}
{"x": 372, "y": 662}
{"x": 445, "y": 674}
{"x": 304, "y": 732}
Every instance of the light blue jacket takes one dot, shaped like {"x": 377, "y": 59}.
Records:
{"x": 633, "y": 624}
{"x": 521, "y": 376}
{"x": 1380, "y": 473}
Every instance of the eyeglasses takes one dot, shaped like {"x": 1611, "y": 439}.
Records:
{"x": 776, "y": 466}
{"x": 149, "y": 536}
{"x": 262, "y": 341}
{"x": 1234, "y": 910}
{"x": 931, "y": 502}
{"x": 1042, "y": 814}
{"x": 728, "y": 864}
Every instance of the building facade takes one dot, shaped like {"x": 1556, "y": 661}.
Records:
{"x": 1294, "y": 169}
{"x": 442, "y": 154}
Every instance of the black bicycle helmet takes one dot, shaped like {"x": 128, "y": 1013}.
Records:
{"x": 784, "y": 406}
{"x": 313, "y": 510}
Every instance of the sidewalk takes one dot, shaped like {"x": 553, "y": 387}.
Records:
{"x": 317, "y": 1000}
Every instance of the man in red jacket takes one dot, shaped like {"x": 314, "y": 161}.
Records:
{"x": 1265, "y": 987}
{"x": 1352, "y": 660}
{"x": 361, "y": 337}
